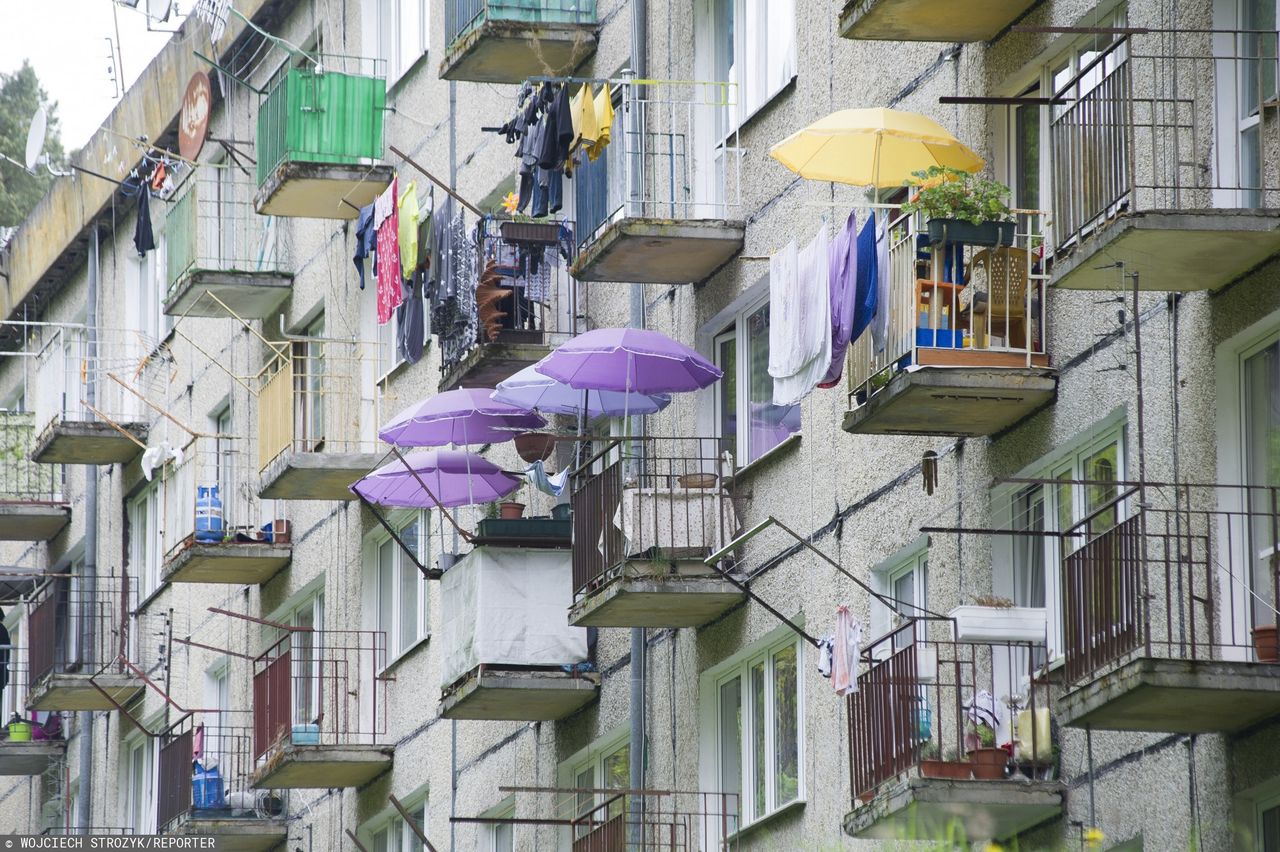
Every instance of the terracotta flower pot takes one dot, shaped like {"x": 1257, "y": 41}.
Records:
{"x": 953, "y": 769}
{"x": 534, "y": 446}
{"x": 1265, "y": 644}
{"x": 511, "y": 511}
{"x": 988, "y": 763}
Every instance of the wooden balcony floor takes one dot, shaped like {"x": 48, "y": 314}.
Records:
{"x": 519, "y": 696}
{"x": 986, "y": 810}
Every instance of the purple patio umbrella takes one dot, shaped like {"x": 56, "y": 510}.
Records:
{"x": 529, "y": 389}
{"x": 630, "y": 360}
{"x": 462, "y": 416}
{"x": 454, "y": 477}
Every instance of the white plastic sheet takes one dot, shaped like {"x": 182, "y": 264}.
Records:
{"x": 509, "y": 606}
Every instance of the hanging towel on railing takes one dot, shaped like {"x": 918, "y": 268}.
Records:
{"x": 842, "y": 274}
{"x": 799, "y": 319}
{"x": 848, "y": 643}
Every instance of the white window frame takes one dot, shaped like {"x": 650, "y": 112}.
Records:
{"x": 752, "y": 30}
{"x": 139, "y": 804}
{"x": 1072, "y": 456}
{"x": 371, "y": 559}
{"x": 710, "y": 683}
{"x": 146, "y": 284}
{"x": 398, "y": 31}
{"x": 146, "y": 539}
{"x": 311, "y": 603}
{"x": 15, "y": 691}
{"x": 594, "y": 758}
{"x": 506, "y": 809}
{"x": 913, "y": 559}
{"x": 391, "y": 820}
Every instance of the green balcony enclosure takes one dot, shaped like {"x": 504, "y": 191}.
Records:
{"x": 320, "y": 139}
{"x": 506, "y": 41}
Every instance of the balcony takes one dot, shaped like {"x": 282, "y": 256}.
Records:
{"x": 319, "y": 710}
{"x": 919, "y": 766}
{"x": 314, "y": 396}
{"x": 114, "y": 373}
{"x": 964, "y": 350}
{"x": 506, "y": 41}
{"x": 645, "y": 515}
{"x": 221, "y": 256}
{"x": 663, "y": 204}
{"x": 78, "y": 639}
{"x": 31, "y": 504}
{"x": 320, "y": 139}
{"x": 525, "y": 310}
{"x": 1159, "y": 610}
{"x": 216, "y": 798}
{"x": 216, "y": 528}
{"x": 1154, "y": 169}
{"x": 33, "y": 758}
{"x": 508, "y": 653}
{"x": 928, "y": 20}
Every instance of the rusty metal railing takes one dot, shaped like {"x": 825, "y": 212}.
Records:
{"x": 75, "y": 626}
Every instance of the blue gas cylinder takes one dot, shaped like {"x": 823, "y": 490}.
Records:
{"x": 208, "y": 514}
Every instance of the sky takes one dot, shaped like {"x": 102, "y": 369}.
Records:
{"x": 66, "y": 42}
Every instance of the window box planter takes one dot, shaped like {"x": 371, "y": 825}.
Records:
{"x": 531, "y": 232}
{"x": 962, "y": 231}
{"x": 988, "y": 764}
{"x": 1000, "y": 624}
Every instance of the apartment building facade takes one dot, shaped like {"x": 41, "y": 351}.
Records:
{"x": 1076, "y": 420}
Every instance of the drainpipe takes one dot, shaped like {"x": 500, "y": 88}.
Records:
{"x": 84, "y": 799}
{"x": 636, "y": 751}
{"x": 453, "y": 723}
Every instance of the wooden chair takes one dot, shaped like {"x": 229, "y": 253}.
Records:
{"x": 1001, "y": 309}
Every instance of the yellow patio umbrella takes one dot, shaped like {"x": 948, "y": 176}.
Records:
{"x": 872, "y": 147}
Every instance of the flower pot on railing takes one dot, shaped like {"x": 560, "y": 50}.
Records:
{"x": 999, "y": 623}
{"x": 1266, "y": 644}
{"x": 988, "y": 763}
{"x": 534, "y": 446}
{"x": 511, "y": 511}
{"x": 954, "y": 770}
{"x": 964, "y": 231}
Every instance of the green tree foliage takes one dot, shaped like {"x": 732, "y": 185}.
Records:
{"x": 20, "y": 95}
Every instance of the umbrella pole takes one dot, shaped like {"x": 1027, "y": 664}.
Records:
{"x": 466, "y": 535}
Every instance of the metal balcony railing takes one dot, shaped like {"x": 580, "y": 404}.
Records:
{"x": 320, "y": 687}
{"x": 949, "y": 300}
{"x": 673, "y": 154}
{"x": 21, "y": 479}
{"x": 463, "y": 16}
{"x": 125, "y": 366}
{"x": 1186, "y": 578}
{"x": 211, "y": 498}
{"x": 206, "y": 768}
{"x": 1164, "y": 121}
{"x": 649, "y": 498}
{"x": 326, "y": 114}
{"x": 213, "y": 226}
{"x": 923, "y": 694}
{"x": 78, "y": 626}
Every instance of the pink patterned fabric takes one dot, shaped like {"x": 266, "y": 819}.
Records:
{"x": 848, "y": 639}
{"x": 390, "y": 292}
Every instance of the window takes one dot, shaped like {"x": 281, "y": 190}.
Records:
{"x": 1260, "y": 374}
{"x": 146, "y": 282}
{"x": 217, "y": 688}
{"x": 603, "y": 765}
{"x": 308, "y": 387}
{"x": 400, "y": 32}
{"x": 501, "y": 835}
{"x": 747, "y": 421}
{"x": 145, "y": 539}
{"x": 396, "y": 587}
{"x": 1256, "y": 86}
{"x": 904, "y": 579}
{"x": 753, "y": 732}
{"x": 138, "y": 767}
{"x": 751, "y": 43}
{"x": 395, "y": 835}
{"x": 1028, "y": 566}
{"x": 306, "y": 649}
{"x": 13, "y": 694}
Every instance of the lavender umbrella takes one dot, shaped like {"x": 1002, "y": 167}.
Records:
{"x": 630, "y": 360}
{"x": 462, "y": 416}
{"x": 529, "y": 389}
{"x": 454, "y": 477}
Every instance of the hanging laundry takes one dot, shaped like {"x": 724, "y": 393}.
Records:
{"x": 453, "y": 314}
{"x": 428, "y": 261}
{"x": 407, "y": 229}
{"x": 800, "y": 321}
{"x": 865, "y": 278}
{"x": 604, "y": 122}
{"x": 826, "y": 648}
{"x": 983, "y": 709}
{"x": 386, "y": 221}
{"x": 553, "y": 484}
{"x": 880, "y": 323}
{"x": 197, "y": 743}
{"x": 366, "y": 239}
{"x": 410, "y": 333}
{"x": 143, "y": 238}
{"x": 848, "y": 643}
{"x": 842, "y": 273}
{"x": 586, "y": 131}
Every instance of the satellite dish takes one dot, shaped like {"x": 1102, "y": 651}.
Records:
{"x": 35, "y": 137}
{"x": 159, "y": 10}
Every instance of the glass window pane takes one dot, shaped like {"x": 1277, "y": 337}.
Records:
{"x": 731, "y": 740}
{"x": 759, "y": 762}
{"x": 1028, "y": 565}
{"x": 503, "y": 838}
{"x": 1027, "y": 153}
{"x": 386, "y": 588}
{"x": 1262, "y": 468}
{"x": 410, "y": 590}
{"x": 770, "y": 424}
{"x": 786, "y": 727}
{"x": 380, "y": 841}
{"x": 1102, "y": 466}
{"x": 727, "y": 360}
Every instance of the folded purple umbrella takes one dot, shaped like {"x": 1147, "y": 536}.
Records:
{"x": 454, "y": 477}
{"x": 462, "y": 416}
{"x": 632, "y": 360}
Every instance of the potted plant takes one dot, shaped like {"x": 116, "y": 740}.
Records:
{"x": 1265, "y": 644}
{"x": 933, "y": 766}
{"x": 995, "y": 619}
{"x": 510, "y": 510}
{"x": 962, "y": 207}
{"x": 987, "y": 760}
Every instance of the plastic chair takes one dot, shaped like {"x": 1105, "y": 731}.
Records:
{"x": 1002, "y": 310}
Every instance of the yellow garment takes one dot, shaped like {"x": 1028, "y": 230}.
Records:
{"x": 1035, "y": 728}
{"x": 872, "y": 147}
{"x": 583, "y": 110}
{"x": 604, "y": 120}
{"x": 407, "y": 230}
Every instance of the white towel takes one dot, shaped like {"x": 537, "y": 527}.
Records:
{"x": 848, "y": 643}
{"x": 880, "y": 321}
{"x": 800, "y": 344}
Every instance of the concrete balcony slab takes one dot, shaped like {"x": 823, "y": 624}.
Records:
{"x": 226, "y": 293}
{"x": 926, "y": 808}
{"x": 237, "y": 563}
{"x": 321, "y": 190}
{"x": 22, "y": 521}
{"x": 235, "y": 834}
{"x": 315, "y": 476}
{"x": 497, "y": 51}
{"x": 317, "y": 767}
{"x": 648, "y": 594}
{"x": 89, "y": 442}
{"x": 75, "y": 691}
{"x": 31, "y": 758}
{"x": 519, "y": 695}
{"x": 928, "y": 20}
{"x": 659, "y": 251}
{"x": 489, "y": 363}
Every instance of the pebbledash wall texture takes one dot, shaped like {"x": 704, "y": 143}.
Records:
{"x": 857, "y": 497}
